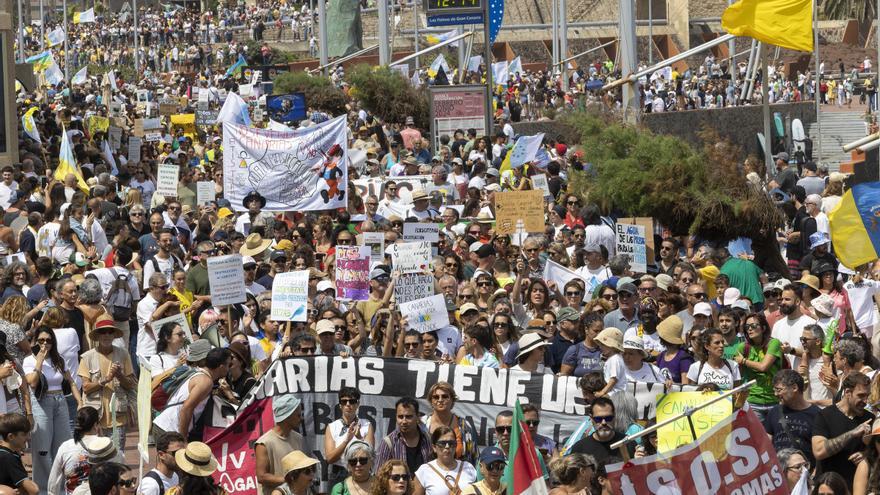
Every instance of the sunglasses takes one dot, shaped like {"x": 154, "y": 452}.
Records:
{"x": 397, "y": 478}
{"x": 307, "y": 350}
{"x": 451, "y": 265}
{"x": 445, "y": 444}
{"x": 603, "y": 419}
{"x": 44, "y": 341}
{"x": 549, "y": 323}
{"x": 135, "y": 214}
{"x": 500, "y": 324}
{"x": 131, "y": 483}
{"x": 440, "y": 397}
{"x": 503, "y": 429}
{"x": 410, "y": 345}
{"x": 348, "y": 402}
{"x": 698, "y": 295}
{"x": 609, "y": 297}
{"x": 484, "y": 284}
{"x": 573, "y": 294}
{"x": 752, "y": 326}
{"x": 496, "y": 466}
{"x": 340, "y": 328}
{"x": 532, "y": 422}
{"x": 358, "y": 461}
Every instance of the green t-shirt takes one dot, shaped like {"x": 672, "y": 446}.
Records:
{"x": 762, "y": 392}
{"x": 745, "y": 276}
{"x": 730, "y": 350}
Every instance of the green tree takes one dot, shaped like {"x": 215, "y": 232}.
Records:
{"x": 861, "y": 10}
{"x": 386, "y": 93}
{"x": 698, "y": 191}
{"x": 320, "y": 93}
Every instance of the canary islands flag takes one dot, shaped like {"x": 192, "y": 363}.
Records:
{"x": 67, "y": 163}
{"x": 41, "y": 61}
{"x": 785, "y": 23}
{"x": 29, "y": 126}
{"x": 433, "y": 39}
{"x": 855, "y": 225}
{"x": 241, "y": 62}
{"x": 87, "y": 16}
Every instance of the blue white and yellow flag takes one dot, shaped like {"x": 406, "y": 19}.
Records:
{"x": 82, "y": 17}
{"x": 53, "y": 73}
{"x": 29, "y": 126}
{"x": 41, "y": 61}
{"x": 67, "y": 163}
{"x": 81, "y": 76}
{"x": 56, "y": 37}
{"x": 234, "y": 68}
{"x": 433, "y": 39}
{"x": 437, "y": 64}
{"x": 855, "y": 225}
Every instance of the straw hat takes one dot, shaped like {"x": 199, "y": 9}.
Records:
{"x": 101, "y": 450}
{"x": 295, "y": 461}
{"x": 611, "y": 337}
{"x": 810, "y": 281}
{"x": 670, "y": 330}
{"x": 196, "y": 459}
{"x": 254, "y": 244}
{"x": 635, "y": 343}
{"x": 529, "y": 342}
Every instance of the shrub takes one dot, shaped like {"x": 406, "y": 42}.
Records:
{"x": 387, "y": 94}
{"x": 320, "y": 93}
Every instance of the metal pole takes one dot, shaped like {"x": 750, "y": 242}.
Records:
{"x": 467, "y": 57}
{"x": 744, "y": 94}
{"x": 628, "y": 58}
{"x": 591, "y": 50}
{"x": 731, "y": 48}
{"x": 20, "y": 34}
{"x": 555, "y": 33}
{"x": 563, "y": 42}
{"x": 137, "y": 56}
{"x": 487, "y": 56}
{"x": 384, "y": 46}
{"x": 688, "y": 412}
{"x": 765, "y": 104}
{"x": 66, "y": 36}
{"x": 651, "y": 32}
{"x": 462, "y": 60}
{"x": 755, "y": 64}
{"x": 818, "y": 78}
{"x": 43, "y": 28}
{"x": 322, "y": 33}
{"x": 416, "y": 29}
{"x": 414, "y": 55}
{"x": 346, "y": 58}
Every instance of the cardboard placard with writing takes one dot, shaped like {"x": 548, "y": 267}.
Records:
{"x": 648, "y": 224}
{"x": 515, "y": 207}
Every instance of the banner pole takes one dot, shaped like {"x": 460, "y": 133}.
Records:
{"x": 691, "y": 424}
{"x": 687, "y": 413}
{"x": 229, "y": 322}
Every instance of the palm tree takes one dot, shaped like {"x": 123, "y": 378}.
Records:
{"x": 860, "y": 10}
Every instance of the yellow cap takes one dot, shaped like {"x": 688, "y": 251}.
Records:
{"x": 224, "y": 212}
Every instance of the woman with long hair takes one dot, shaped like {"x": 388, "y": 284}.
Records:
{"x": 759, "y": 358}
{"x": 445, "y": 475}
{"x": 829, "y": 284}
{"x": 47, "y": 376}
{"x": 170, "y": 343}
{"x": 72, "y": 237}
{"x": 15, "y": 318}
{"x": 506, "y": 333}
{"x": 486, "y": 285}
{"x": 712, "y": 371}
{"x": 531, "y": 354}
{"x": 537, "y": 297}
{"x": 392, "y": 479}
{"x": 67, "y": 344}
{"x": 442, "y": 398}
{"x": 585, "y": 356}
{"x": 867, "y": 477}
{"x": 830, "y": 483}
{"x": 188, "y": 301}
{"x": 196, "y": 464}
{"x": 71, "y": 467}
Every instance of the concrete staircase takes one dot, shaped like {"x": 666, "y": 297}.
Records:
{"x": 838, "y": 128}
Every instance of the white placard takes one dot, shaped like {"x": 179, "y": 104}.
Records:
{"x": 290, "y": 296}
{"x": 134, "y": 149}
{"x": 376, "y": 241}
{"x": 179, "y": 319}
{"x": 16, "y": 257}
{"x": 411, "y": 257}
{"x": 424, "y": 315}
{"x": 540, "y": 182}
{"x": 631, "y": 242}
{"x": 415, "y": 232}
{"x": 167, "y": 178}
{"x": 226, "y": 280}
{"x": 114, "y": 134}
{"x": 206, "y": 192}
{"x": 153, "y": 137}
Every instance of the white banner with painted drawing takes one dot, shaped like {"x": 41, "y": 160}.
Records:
{"x": 300, "y": 170}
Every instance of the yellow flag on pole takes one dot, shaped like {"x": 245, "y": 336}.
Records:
{"x": 67, "y": 163}
{"x": 785, "y": 23}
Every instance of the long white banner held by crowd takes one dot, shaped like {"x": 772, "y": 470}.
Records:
{"x": 302, "y": 170}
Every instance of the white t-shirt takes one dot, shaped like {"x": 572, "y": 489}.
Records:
{"x": 449, "y": 340}
{"x": 615, "y": 368}
{"x": 435, "y": 484}
{"x": 53, "y": 376}
{"x": 150, "y": 487}
{"x": 593, "y": 278}
{"x": 817, "y": 390}
{"x": 68, "y": 347}
{"x": 601, "y": 234}
{"x": 6, "y": 193}
{"x": 166, "y": 266}
{"x": 647, "y": 373}
{"x": 789, "y": 331}
{"x": 162, "y": 362}
{"x": 108, "y": 275}
{"x": 702, "y": 372}
{"x": 146, "y": 343}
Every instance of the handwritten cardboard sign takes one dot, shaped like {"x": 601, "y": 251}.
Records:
{"x": 413, "y": 286}
{"x": 679, "y": 433}
{"x": 411, "y": 257}
{"x": 519, "y": 210}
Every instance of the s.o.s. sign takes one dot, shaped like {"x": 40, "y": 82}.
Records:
{"x": 733, "y": 458}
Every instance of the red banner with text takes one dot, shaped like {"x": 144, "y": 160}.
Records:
{"x": 734, "y": 457}
{"x": 233, "y": 447}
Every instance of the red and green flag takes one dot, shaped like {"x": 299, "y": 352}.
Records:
{"x": 523, "y": 474}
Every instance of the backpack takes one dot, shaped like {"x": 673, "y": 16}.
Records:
{"x": 175, "y": 263}
{"x": 164, "y": 386}
{"x": 119, "y": 300}
{"x": 153, "y": 475}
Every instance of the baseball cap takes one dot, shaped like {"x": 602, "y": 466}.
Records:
{"x": 702, "y": 308}
{"x": 325, "y": 326}
{"x": 378, "y": 273}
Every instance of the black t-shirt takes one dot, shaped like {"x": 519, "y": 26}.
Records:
{"x": 601, "y": 451}
{"x": 831, "y": 423}
{"x": 792, "y": 428}
{"x": 414, "y": 457}
{"x": 77, "y": 321}
{"x": 12, "y": 472}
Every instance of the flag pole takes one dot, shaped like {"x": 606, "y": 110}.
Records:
{"x": 487, "y": 63}
{"x": 66, "y": 35}
{"x": 765, "y": 104}
{"x": 818, "y": 76}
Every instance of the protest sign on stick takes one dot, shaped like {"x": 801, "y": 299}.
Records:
{"x": 513, "y": 208}
{"x": 424, "y": 315}
{"x": 352, "y": 273}
{"x": 411, "y": 257}
{"x": 226, "y": 280}
{"x": 290, "y": 296}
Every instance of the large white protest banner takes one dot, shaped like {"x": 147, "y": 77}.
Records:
{"x": 424, "y": 315}
{"x": 290, "y": 296}
{"x": 301, "y": 170}
{"x": 226, "y": 280}
{"x": 411, "y": 257}
{"x": 560, "y": 274}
